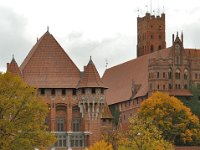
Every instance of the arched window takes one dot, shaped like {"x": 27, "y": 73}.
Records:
{"x": 170, "y": 73}
{"x": 186, "y": 74}
{"x": 177, "y": 74}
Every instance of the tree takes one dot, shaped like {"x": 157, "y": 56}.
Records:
{"x": 101, "y": 145}
{"x": 142, "y": 135}
{"x": 172, "y": 117}
{"x": 22, "y": 116}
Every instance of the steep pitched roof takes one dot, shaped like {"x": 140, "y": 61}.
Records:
{"x": 13, "y": 67}
{"x": 119, "y": 78}
{"x": 48, "y": 66}
{"x": 90, "y": 77}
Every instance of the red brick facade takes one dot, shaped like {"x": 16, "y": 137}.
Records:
{"x": 173, "y": 70}
{"x": 150, "y": 34}
{"x": 76, "y": 100}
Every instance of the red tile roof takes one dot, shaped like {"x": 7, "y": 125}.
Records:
{"x": 13, "y": 67}
{"x": 90, "y": 77}
{"x": 48, "y": 66}
{"x": 119, "y": 78}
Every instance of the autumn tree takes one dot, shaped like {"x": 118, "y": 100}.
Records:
{"x": 173, "y": 118}
{"x": 100, "y": 145}
{"x": 22, "y": 116}
{"x": 143, "y": 135}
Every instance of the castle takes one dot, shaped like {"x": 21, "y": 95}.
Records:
{"x": 173, "y": 70}
{"x": 78, "y": 101}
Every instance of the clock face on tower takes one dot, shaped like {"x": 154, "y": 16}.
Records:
{"x": 177, "y": 49}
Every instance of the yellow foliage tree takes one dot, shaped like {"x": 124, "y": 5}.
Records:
{"x": 143, "y": 135}
{"x": 101, "y": 145}
{"x": 172, "y": 117}
{"x": 22, "y": 116}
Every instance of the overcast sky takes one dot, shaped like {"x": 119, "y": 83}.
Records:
{"x": 103, "y": 29}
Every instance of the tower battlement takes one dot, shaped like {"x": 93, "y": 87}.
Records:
{"x": 150, "y": 33}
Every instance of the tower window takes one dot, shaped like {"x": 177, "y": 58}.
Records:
{"x": 151, "y": 36}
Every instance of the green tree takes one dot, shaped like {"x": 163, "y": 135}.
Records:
{"x": 172, "y": 117}
{"x": 143, "y": 135}
{"x": 22, "y": 115}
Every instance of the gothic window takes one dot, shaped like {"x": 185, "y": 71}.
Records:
{"x": 196, "y": 75}
{"x": 76, "y": 140}
{"x": 76, "y": 124}
{"x": 170, "y": 73}
{"x": 60, "y": 124}
{"x": 151, "y": 36}
{"x": 177, "y": 74}
{"x": 185, "y": 74}
{"x": 163, "y": 74}
{"x": 151, "y": 48}
{"x": 158, "y": 75}
{"x": 158, "y": 87}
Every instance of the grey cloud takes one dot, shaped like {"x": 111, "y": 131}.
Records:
{"x": 117, "y": 49}
{"x": 13, "y": 39}
{"x": 191, "y": 35}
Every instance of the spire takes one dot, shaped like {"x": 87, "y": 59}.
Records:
{"x": 47, "y": 28}
{"x": 13, "y": 59}
{"x": 90, "y": 62}
{"x": 91, "y": 77}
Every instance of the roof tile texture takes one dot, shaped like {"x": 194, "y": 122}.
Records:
{"x": 48, "y": 66}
